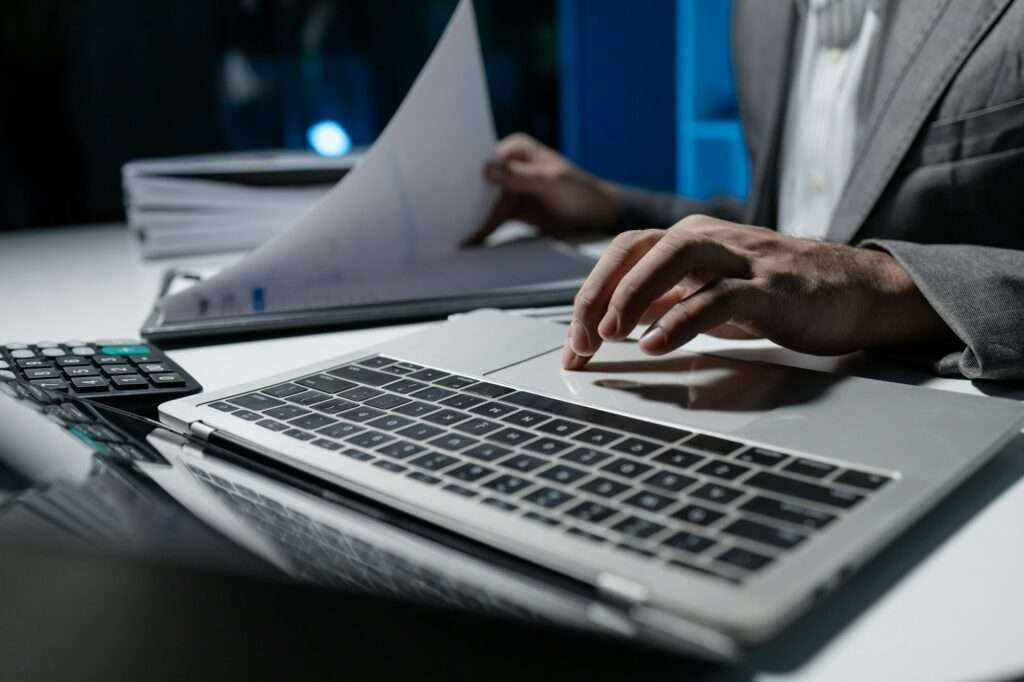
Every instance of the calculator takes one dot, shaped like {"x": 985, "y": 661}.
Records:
{"x": 125, "y": 373}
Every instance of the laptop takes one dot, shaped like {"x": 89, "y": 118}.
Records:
{"x": 693, "y": 502}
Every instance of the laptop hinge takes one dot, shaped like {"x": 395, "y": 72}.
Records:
{"x": 201, "y": 430}
{"x": 622, "y": 590}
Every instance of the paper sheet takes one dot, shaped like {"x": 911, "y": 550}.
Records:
{"x": 415, "y": 196}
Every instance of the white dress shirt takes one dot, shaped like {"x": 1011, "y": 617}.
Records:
{"x": 823, "y": 117}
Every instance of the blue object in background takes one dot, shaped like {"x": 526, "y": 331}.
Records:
{"x": 647, "y": 94}
{"x": 328, "y": 138}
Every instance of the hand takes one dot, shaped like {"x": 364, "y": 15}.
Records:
{"x": 710, "y": 276}
{"x": 540, "y": 187}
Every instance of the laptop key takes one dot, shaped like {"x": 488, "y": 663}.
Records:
{"x": 698, "y": 515}
{"x": 312, "y": 422}
{"x": 587, "y": 456}
{"x": 326, "y": 383}
{"x": 434, "y": 461}
{"x": 526, "y": 418}
{"x": 680, "y": 459}
{"x": 500, "y": 504}
{"x": 376, "y": 362}
{"x": 667, "y": 480}
{"x": 362, "y": 375}
{"x": 326, "y": 444}
{"x": 508, "y": 485}
{"x": 789, "y": 512}
{"x": 416, "y": 409}
{"x": 561, "y": 427}
{"x": 387, "y": 401}
{"x": 222, "y": 407}
{"x": 862, "y": 479}
{"x": 446, "y": 417}
{"x": 460, "y": 490}
{"x": 712, "y": 444}
{"x": 763, "y": 533}
{"x": 461, "y": 401}
{"x": 605, "y": 487}
{"x": 420, "y": 431}
{"x": 488, "y": 390}
{"x": 511, "y": 436}
{"x": 429, "y": 375}
{"x": 478, "y": 426}
{"x": 361, "y": 414}
{"x": 424, "y": 478}
{"x": 810, "y": 492}
{"x": 493, "y": 410}
{"x": 402, "y": 367}
{"x": 522, "y": 463}
{"x": 719, "y": 494}
{"x": 542, "y": 519}
{"x": 548, "y": 498}
{"x": 334, "y": 406}
{"x": 487, "y": 452}
{"x": 636, "y": 446}
{"x": 298, "y": 434}
{"x": 592, "y": 512}
{"x": 453, "y": 442}
{"x": 388, "y": 465}
{"x": 248, "y": 415}
{"x": 308, "y": 398}
{"x": 358, "y": 455}
{"x": 724, "y": 470}
{"x": 627, "y": 468}
{"x": 390, "y": 422}
{"x": 406, "y": 386}
{"x": 370, "y": 439}
{"x": 456, "y": 382}
{"x": 648, "y": 501}
{"x": 562, "y": 474}
{"x": 637, "y": 527}
{"x": 361, "y": 394}
{"x": 762, "y": 457}
{"x": 597, "y": 437}
{"x": 744, "y": 558}
{"x": 470, "y": 472}
{"x": 547, "y": 446}
{"x": 283, "y": 390}
{"x": 434, "y": 394}
{"x": 809, "y": 468}
{"x": 287, "y": 412}
{"x": 402, "y": 450}
{"x": 255, "y": 401}
{"x": 690, "y": 543}
{"x": 341, "y": 430}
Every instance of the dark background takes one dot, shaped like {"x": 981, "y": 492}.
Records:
{"x": 86, "y": 85}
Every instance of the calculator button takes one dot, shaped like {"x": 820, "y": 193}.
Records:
{"x": 129, "y": 381}
{"x": 4, "y": 365}
{"x": 84, "y": 351}
{"x": 22, "y": 354}
{"x": 107, "y": 360}
{"x": 51, "y": 384}
{"x": 169, "y": 379}
{"x": 75, "y": 342}
{"x": 144, "y": 359}
{"x": 46, "y": 344}
{"x": 89, "y": 384}
{"x": 44, "y": 373}
{"x": 72, "y": 361}
{"x": 33, "y": 363}
{"x": 16, "y": 346}
{"x": 153, "y": 367}
{"x": 54, "y": 352}
{"x": 113, "y": 370}
{"x": 125, "y": 350}
{"x": 6, "y": 375}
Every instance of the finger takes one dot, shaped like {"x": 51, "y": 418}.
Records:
{"x": 710, "y": 308}
{"x": 503, "y": 210}
{"x": 592, "y": 298}
{"x": 517, "y": 146}
{"x": 676, "y": 256}
{"x": 525, "y": 176}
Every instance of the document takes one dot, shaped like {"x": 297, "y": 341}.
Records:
{"x": 400, "y": 214}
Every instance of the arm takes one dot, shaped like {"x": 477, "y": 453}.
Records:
{"x": 642, "y": 208}
{"x": 978, "y": 291}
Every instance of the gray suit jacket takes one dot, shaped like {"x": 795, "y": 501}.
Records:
{"x": 939, "y": 177}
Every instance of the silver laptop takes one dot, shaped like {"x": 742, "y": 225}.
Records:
{"x": 701, "y": 502}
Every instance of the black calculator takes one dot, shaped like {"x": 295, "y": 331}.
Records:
{"x": 133, "y": 375}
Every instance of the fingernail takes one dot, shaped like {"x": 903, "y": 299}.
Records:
{"x": 610, "y": 324}
{"x": 654, "y": 339}
{"x": 580, "y": 339}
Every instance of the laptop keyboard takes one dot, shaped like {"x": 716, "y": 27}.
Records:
{"x": 694, "y": 501}
{"x": 326, "y": 555}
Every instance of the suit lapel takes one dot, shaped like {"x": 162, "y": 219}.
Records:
{"x": 926, "y": 42}
{"x": 764, "y": 34}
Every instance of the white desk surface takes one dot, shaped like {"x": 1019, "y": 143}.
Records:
{"x": 955, "y": 614}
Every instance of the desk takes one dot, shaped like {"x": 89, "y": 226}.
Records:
{"x": 952, "y": 612}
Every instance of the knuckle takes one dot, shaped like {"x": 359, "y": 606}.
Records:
{"x": 583, "y": 301}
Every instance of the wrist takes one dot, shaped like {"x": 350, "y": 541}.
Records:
{"x": 607, "y": 203}
{"x": 898, "y": 313}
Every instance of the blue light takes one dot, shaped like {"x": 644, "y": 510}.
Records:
{"x": 328, "y": 138}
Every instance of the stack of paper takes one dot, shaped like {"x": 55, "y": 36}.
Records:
{"x": 232, "y": 202}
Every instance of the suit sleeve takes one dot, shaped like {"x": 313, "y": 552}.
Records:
{"x": 979, "y": 292}
{"x": 644, "y": 209}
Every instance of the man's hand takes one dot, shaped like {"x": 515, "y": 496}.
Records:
{"x": 540, "y": 187}
{"x": 710, "y": 276}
